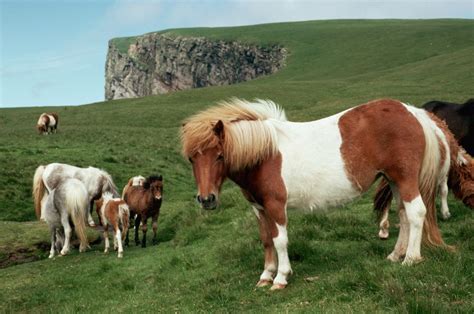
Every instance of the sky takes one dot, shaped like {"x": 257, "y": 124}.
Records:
{"x": 52, "y": 52}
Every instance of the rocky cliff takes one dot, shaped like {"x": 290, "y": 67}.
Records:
{"x": 161, "y": 63}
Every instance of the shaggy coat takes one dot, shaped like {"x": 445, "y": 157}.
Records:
{"x": 145, "y": 202}
{"x": 316, "y": 164}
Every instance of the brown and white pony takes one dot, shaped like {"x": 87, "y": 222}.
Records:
{"x": 312, "y": 165}
{"x": 114, "y": 212}
{"x": 145, "y": 202}
{"x": 47, "y": 123}
{"x": 461, "y": 174}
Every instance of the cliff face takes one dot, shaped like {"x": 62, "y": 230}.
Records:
{"x": 159, "y": 63}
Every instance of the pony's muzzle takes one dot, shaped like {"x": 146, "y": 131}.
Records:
{"x": 207, "y": 202}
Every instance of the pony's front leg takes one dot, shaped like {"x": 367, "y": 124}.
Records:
{"x": 90, "y": 221}
{"x": 276, "y": 212}
{"x": 266, "y": 278}
{"x": 443, "y": 191}
{"x": 137, "y": 226}
{"x": 144, "y": 230}
{"x": 384, "y": 224}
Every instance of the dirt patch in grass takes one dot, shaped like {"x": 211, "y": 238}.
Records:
{"x": 23, "y": 255}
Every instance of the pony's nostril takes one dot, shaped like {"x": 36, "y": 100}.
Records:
{"x": 212, "y": 198}
{"x": 199, "y": 199}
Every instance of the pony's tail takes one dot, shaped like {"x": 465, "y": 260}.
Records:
{"x": 461, "y": 177}
{"x": 39, "y": 190}
{"x": 383, "y": 197}
{"x": 109, "y": 185}
{"x": 76, "y": 203}
{"x": 431, "y": 171}
{"x": 124, "y": 216}
{"x": 125, "y": 188}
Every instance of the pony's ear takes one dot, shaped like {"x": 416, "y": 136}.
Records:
{"x": 160, "y": 177}
{"x": 219, "y": 129}
{"x": 146, "y": 184}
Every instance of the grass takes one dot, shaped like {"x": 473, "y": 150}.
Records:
{"x": 210, "y": 261}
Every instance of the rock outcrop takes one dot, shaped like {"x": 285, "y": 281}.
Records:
{"x": 161, "y": 63}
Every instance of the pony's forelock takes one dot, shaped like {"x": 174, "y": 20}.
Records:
{"x": 248, "y": 136}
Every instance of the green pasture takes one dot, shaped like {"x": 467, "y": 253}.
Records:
{"x": 211, "y": 261}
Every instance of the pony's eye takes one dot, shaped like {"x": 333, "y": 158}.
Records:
{"x": 190, "y": 160}
{"x": 220, "y": 157}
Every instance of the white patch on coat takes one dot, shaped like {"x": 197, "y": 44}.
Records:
{"x": 284, "y": 267}
{"x": 138, "y": 180}
{"x": 312, "y": 166}
{"x": 52, "y": 120}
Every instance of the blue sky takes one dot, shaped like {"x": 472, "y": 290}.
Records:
{"x": 53, "y": 51}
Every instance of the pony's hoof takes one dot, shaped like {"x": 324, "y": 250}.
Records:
{"x": 446, "y": 216}
{"x": 409, "y": 261}
{"x": 383, "y": 235}
{"x": 91, "y": 224}
{"x": 278, "y": 286}
{"x": 264, "y": 283}
{"x": 393, "y": 257}
{"x": 120, "y": 255}
{"x": 106, "y": 251}
{"x": 64, "y": 253}
{"x": 51, "y": 256}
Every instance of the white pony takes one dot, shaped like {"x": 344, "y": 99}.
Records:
{"x": 69, "y": 200}
{"x": 47, "y": 178}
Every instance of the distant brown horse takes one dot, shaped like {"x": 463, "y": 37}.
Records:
{"x": 145, "y": 202}
{"x": 114, "y": 212}
{"x": 47, "y": 123}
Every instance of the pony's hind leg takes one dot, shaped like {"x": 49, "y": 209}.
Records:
{"x": 415, "y": 211}
{"x": 106, "y": 237}
{"x": 52, "y": 251}
{"x": 118, "y": 239}
{"x": 67, "y": 233}
{"x": 402, "y": 241}
{"x": 266, "y": 278}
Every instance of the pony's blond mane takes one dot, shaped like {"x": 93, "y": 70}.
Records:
{"x": 248, "y": 139}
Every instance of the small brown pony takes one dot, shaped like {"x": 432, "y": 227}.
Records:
{"x": 145, "y": 202}
{"x": 47, "y": 123}
{"x": 115, "y": 212}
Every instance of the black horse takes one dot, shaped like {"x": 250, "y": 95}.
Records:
{"x": 459, "y": 118}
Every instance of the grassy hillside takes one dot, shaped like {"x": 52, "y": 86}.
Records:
{"x": 211, "y": 261}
